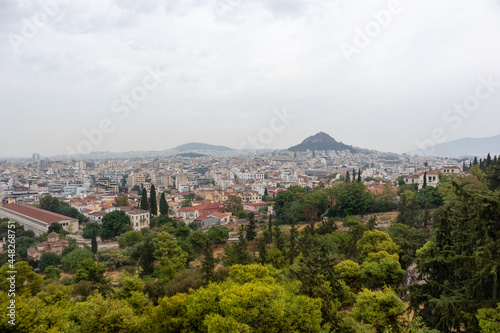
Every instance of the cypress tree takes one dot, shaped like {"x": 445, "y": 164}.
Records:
{"x": 359, "y": 176}
{"x": 163, "y": 205}
{"x": 353, "y": 175}
{"x": 488, "y": 160}
{"x": 475, "y": 161}
{"x": 278, "y": 237}
{"x": 243, "y": 258}
{"x": 266, "y": 194}
{"x": 294, "y": 252}
{"x": 93, "y": 247}
{"x": 144, "y": 200}
{"x": 208, "y": 262}
{"x": 146, "y": 257}
{"x": 347, "y": 176}
{"x": 152, "y": 201}
{"x": 262, "y": 248}
{"x": 270, "y": 240}
{"x": 425, "y": 180}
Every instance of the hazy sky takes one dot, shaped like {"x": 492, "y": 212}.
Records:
{"x": 227, "y": 66}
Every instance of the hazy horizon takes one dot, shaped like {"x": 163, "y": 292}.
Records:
{"x": 222, "y": 71}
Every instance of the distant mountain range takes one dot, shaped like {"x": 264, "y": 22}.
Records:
{"x": 322, "y": 141}
{"x": 200, "y": 146}
{"x": 462, "y": 148}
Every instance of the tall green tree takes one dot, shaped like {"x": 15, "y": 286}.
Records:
{"x": 409, "y": 209}
{"x": 349, "y": 199}
{"x": 251, "y": 230}
{"x": 144, "y": 200}
{"x": 293, "y": 251}
{"x": 153, "y": 206}
{"x": 48, "y": 259}
{"x": 114, "y": 224}
{"x": 172, "y": 259}
{"x": 90, "y": 271}
{"x": 93, "y": 246}
{"x": 71, "y": 262}
{"x": 208, "y": 262}
{"x": 163, "y": 205}
{"x": 462, "y": 262}
{"x": 146, "y": 257}
{"x": 270, "y": 226}
{"x": 237, "y": 253}
{"x": 382, "y": 309}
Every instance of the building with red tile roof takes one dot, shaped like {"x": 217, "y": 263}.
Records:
{"x": 36, "y": 219}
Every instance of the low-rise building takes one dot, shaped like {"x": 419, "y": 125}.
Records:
{"x": 36, "y": 219}
{"x": 139, "y": 219}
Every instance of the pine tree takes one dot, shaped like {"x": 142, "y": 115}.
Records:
{"x": 163, "y": 205}
{"x": 208, "y": 263}
{"x": 93, "y": 247}
{"x": 144, "y": 200}
{"x": 152, "y": 201}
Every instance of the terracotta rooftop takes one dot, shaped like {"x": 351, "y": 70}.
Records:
{"x": 137, "y": 211}
{"x": 37, "y": 213}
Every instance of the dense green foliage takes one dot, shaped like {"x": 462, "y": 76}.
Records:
{"x": 114, "y": 224}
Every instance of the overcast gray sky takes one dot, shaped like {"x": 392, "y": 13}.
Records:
{"x": 228, "y": 65}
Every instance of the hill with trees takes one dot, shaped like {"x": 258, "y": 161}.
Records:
{"x": 322, "y": 141}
